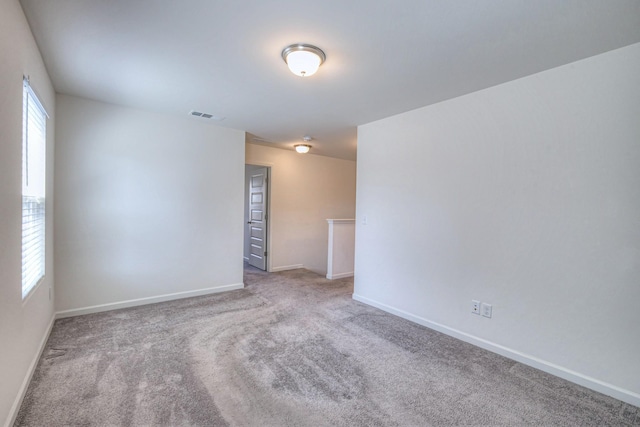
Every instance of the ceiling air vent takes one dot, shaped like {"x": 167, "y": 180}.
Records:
{"x": 205, "y": 115}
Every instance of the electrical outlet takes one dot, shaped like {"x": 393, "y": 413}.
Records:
{"x": 475, "y": 307}
{"x": 486, "y": 309}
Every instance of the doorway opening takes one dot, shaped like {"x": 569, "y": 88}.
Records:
{"x": 256, "y": 216}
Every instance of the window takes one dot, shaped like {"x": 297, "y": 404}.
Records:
{"x": 34, "y": 123}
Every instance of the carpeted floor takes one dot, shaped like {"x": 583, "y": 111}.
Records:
{"x": 291, "y": 349}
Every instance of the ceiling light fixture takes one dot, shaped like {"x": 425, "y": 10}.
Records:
{"x": 302, "y": 148}
{"x": 303, "y": 59}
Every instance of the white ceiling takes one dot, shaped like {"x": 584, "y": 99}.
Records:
{"x": 383, "y": 57}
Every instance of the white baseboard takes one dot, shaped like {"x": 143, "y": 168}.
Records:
{"x": 144, "y": 301}
{"x": 339, "y": 275}
{"x": 15, "y": 408}
{"x": 286, "y": 267}
{"x": 553, "y": 369}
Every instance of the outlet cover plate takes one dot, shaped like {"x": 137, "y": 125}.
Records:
{"x": 475, "y": 307}
{"x": 486, "y": 309}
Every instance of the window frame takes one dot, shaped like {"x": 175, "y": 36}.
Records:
{"x": 33, "y": 194}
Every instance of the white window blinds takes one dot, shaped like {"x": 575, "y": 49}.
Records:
{"x": 34, "y": 123}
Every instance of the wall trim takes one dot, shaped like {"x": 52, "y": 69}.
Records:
{"x": 551, "y": 368}
{"x": 15, "y": 408}
{"x": 341, "y": 221}
{"x": 286, "y": 267}
{"x": 145, "y": 301}
{"x": 340, "y": 275}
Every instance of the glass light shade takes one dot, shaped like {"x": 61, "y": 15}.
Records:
{"x": 303, "y": 63}
{"x": 303, "y": 148}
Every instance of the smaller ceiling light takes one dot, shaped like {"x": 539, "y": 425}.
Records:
{"x": 302, "y": 148}
{"x": 303, "y": 59}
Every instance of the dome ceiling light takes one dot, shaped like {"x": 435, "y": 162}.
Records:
{"x": 303, "y": 59}
{"x": 303, "y": 148}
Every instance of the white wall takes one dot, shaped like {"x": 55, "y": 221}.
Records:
{"x": 23, "y": 325}
{"x": 526, "y": 196}
{"x": 305, "y": 191}
{"x": 147, "y": 205}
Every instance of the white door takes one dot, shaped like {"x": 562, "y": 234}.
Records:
{"x": 258, "y": 180}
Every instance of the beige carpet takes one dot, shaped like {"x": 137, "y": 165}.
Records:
{"x": 291, "y": 349}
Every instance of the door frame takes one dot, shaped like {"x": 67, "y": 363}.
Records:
{"x": 269, "y": 167}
